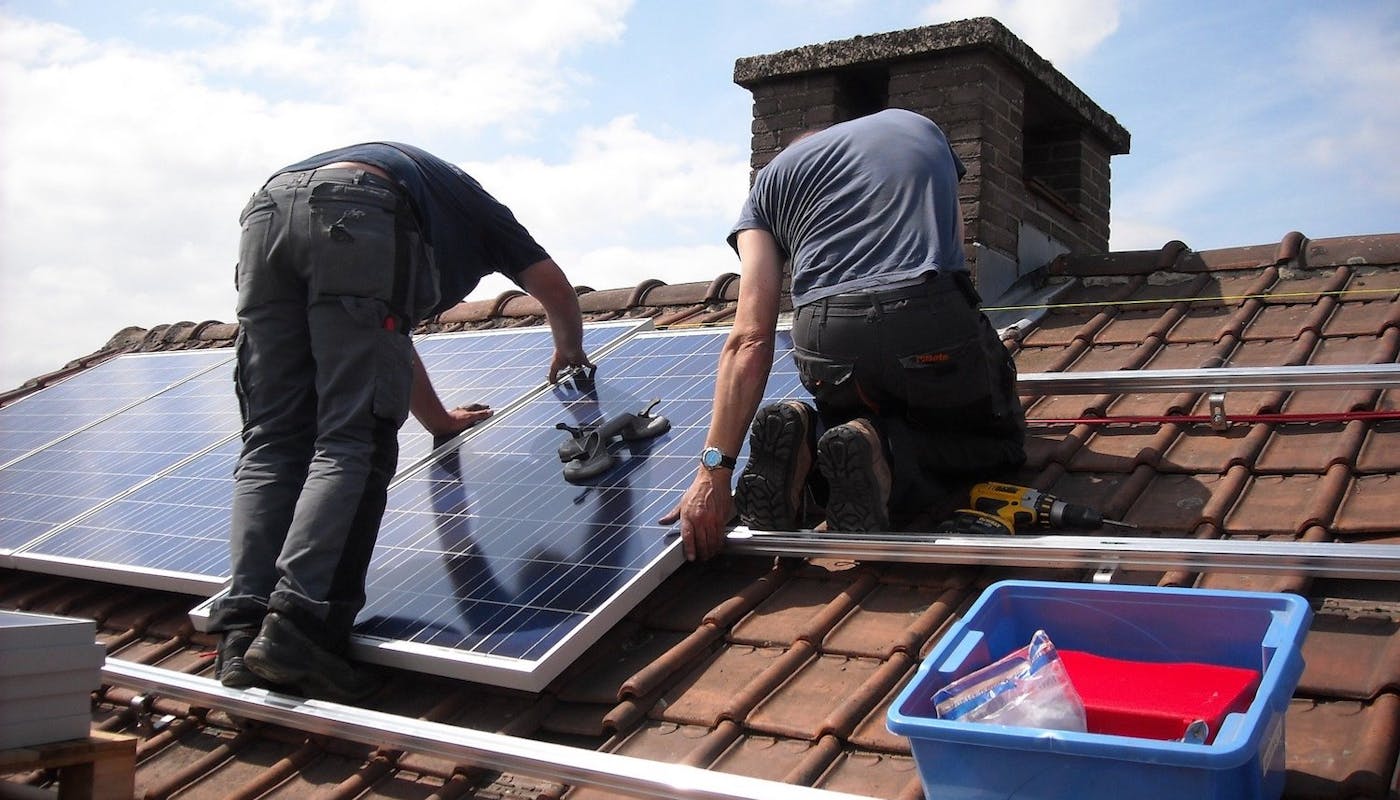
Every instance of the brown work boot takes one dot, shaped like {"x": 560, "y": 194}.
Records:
{"x": 853, "y": 460}
{"x": 768, "y": 496}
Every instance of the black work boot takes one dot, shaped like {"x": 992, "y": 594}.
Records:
{"x": 285, "y": 656}
{"x": 852, "y": 459}
{"x": 768, "y": 496}
{"x": 229, "y": 667}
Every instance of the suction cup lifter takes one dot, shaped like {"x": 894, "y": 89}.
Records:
{"x": 585, "y": 453}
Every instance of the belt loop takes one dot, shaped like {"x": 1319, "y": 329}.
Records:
{"x": 876, "y": 313}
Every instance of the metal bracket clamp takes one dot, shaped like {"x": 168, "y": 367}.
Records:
{"x": 1218, "y": 420}
{"x": 147, "y": 724}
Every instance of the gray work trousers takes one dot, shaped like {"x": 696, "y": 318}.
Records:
{"x": 926, "y": 366}
{"x": 323, "y": 376}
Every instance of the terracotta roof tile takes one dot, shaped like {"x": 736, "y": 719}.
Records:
{"x": 1371, "y": 506}
{"x": 797, "y": 610}
{"x": 877, "y": 775}
{"x": 1320, "y": 765}
{"x": 703, "y": 696}
{"x": 802, "y": 705}
{"x": 1352, "y": 656}
{"x": 892, "y": 618}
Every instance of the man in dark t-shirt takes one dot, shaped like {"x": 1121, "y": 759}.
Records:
{"x": 912, "y": 386}
{"x": 340, "y": 256}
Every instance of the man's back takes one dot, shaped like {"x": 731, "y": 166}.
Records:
{"x": 867, "y": 203}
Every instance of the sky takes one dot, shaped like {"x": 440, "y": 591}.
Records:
{"x": 132, "y": 133}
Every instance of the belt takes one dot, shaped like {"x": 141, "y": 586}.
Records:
{"x": 934, "y": 283}
{"x": 367, "y": 174}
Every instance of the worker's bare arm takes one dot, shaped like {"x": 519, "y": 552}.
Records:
{"x": 546, "y": 282}
{"x": 744, "y": 363}
{"x": 430, "y": 412}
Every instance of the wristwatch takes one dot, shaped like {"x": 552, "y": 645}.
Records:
{"x": 713, "y": 458}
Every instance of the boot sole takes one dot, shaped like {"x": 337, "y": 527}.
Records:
{"x": 845, "y": 458}
{"x": 763, "y": 493}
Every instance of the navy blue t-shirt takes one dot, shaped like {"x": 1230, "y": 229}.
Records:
{"x": 865, "y": 204}
{"x": 468, "y": 232}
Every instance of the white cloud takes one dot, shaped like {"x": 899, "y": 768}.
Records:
{"x": 1064, "y": 31}
{"x": 1355, "y": 88}
{"x": 621, "y": 184}
{"x": 122, "y": 170}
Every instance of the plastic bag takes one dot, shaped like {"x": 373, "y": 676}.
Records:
{"x": 1029, "y": 687}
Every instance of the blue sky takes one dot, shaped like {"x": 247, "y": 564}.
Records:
{"x": 131, "y": 133}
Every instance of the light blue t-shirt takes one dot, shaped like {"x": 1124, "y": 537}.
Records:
{"x": 862, "y": 205}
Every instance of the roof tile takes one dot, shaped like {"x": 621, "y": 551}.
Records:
{"x": 801, "y": 706}
{"x": 1341, "y": 748}
{"x": 1371, "y": 506}
{"x": 1173, "y": 504}
{"x": 875, "y": 775}
{"x": 1277, "y": 504}
{"x": 892, "y": 618}
{"x": 766, "y": 757}
{"x": 1351, "y": 657}
{"x": 704, "y": 695}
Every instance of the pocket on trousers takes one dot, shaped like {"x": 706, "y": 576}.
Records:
{"x": 352, "y": 247}
{"x": 956, "y": 376}
{"x": 256, "y": 223}
{"x": 830, "y": 381}
{"x": 391, "y": 354}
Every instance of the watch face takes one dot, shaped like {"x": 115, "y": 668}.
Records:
{"x": 711, "y": 457}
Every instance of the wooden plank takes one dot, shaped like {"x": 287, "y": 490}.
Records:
{"x": 100, "y": 767}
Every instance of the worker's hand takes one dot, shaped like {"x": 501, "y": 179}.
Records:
{"x": 704, "y": 511}
{"x": 459, "y": 419}
{"x": 564, "y": 359}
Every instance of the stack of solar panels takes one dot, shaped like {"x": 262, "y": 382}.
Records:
{"x": 49, "y": 667}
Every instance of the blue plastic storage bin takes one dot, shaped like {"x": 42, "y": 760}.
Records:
{"x": 972, "y": 761}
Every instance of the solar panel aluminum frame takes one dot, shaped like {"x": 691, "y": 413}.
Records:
{"x": 530, "y": 675}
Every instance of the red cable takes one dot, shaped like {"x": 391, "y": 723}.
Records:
{"x": 1189, "y": 419}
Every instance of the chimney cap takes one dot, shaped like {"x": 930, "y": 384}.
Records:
{"x": 969, "y": 34}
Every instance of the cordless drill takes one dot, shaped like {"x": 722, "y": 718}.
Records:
{"x": 1023, "y": 508}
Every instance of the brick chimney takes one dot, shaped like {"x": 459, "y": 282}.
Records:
{"x": 1036, "y": 148}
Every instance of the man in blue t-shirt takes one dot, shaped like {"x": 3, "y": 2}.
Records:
{"x": 913, "y": 388}
{"x": 340, "y": 256}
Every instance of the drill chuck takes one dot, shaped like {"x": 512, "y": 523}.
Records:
{"x": 1070, "y": 516}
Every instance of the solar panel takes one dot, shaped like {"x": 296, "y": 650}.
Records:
{"x": 495, "y": 368}
{"x": 78, "y": 401}
{"x": 45, "y": 489}
{"x": 169, "y": 533}
{"x": 172, "y": 530}
{"x": 490, "y": 566}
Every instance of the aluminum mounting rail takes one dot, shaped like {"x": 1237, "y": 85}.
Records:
{"x": 1217, "y": 379}
{"x": 1317, "y": 559}
{"x": 574, "y": 766}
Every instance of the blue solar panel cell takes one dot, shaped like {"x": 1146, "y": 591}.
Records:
{"x": 85, "y": 470}
{"x": 172, "y": 529}
{"x": 488, "y": 553}
{"x": 177, "y": 524}
{"x": 92, "y": 394}
{"x": 494, "y": 368}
